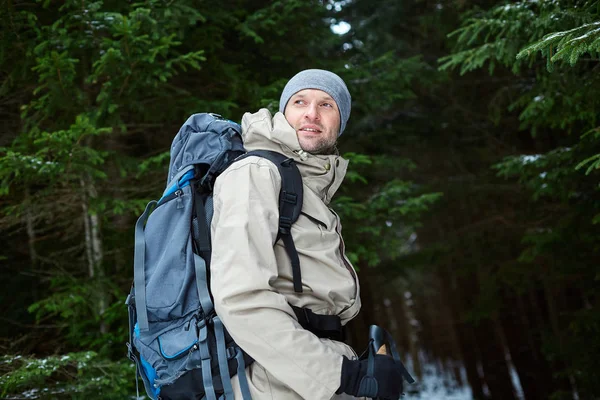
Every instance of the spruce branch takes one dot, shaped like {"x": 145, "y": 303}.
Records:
{"x": 569, "y": 44}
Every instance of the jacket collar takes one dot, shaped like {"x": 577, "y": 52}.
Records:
{"x": 323, "y": 174}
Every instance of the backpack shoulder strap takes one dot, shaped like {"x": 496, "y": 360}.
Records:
{"x": 290, "y": 204}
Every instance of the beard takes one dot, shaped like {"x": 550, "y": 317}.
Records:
{"x": 326, "y": 150}
{"x": 320, "y": 146}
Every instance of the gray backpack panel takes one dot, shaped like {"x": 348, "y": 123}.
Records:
{"x": 205, "y": 139}
{"x": 169, "y": 262}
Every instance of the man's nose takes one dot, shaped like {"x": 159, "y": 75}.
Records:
{"x": 312, "y": 112}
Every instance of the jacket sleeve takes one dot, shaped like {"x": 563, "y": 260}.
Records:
{"x": 244, "y": 228}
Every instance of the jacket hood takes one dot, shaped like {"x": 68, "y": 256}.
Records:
{"x": 323, "y": 174}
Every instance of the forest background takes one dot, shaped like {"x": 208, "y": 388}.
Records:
{"x": 471, "y": 209}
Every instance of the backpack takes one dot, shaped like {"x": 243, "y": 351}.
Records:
{"x": 179, "y": 345}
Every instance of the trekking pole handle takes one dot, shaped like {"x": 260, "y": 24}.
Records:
{"x": 376, "y": 334}
{"x": 381, "y": 342}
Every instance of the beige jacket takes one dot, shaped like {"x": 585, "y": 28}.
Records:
{"x": 252, "y": 279}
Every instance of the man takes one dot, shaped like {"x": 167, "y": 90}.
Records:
{"x": 251, "y": 274}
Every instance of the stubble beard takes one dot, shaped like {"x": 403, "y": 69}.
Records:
{"x": 327, "y": 151}
{"x": 321, "y": 146}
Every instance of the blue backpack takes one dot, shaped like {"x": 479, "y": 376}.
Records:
{"x": 179, "y": 345}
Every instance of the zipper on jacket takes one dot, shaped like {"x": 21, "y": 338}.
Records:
{"x": 328, "y": 187}
{"x": 342, "y": 249}
{"x": 314, "y": 220}
{"x": 348, "y": 267}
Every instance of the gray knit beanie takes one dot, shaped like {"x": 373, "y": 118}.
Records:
{"x": 323, "y": 80}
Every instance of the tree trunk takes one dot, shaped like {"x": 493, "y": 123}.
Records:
{"x": 93, "y": 245}
{"x": 553, "y": 297}
{"x": 406, "y": 305}
{"x": 493, "y": 361}
{"x": 31, "y": 236}
{"x": 88, "y": 231}
{"x": 466, "y": 338}
{"x": 524, "y": 349}
{"x": 450, "y": 326}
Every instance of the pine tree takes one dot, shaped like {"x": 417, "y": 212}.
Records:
{"x": 95, "y": 92}
{"x": 557, "y": 106}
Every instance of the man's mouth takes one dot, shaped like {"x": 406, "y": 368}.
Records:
{"x": 310, "y": 129}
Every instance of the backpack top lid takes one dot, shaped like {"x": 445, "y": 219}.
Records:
{"x": 205, "y": 139}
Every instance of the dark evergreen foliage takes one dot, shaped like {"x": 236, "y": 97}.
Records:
{"x": 471, "y": 208}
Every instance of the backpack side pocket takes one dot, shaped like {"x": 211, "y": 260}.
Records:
{"x": 169, "y": 261}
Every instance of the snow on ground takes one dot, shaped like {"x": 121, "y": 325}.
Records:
{"x": 436, "y": 386}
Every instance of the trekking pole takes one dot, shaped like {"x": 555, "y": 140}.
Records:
{"x": 381, "y": 342}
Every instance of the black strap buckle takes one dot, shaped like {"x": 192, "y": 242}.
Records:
{"x": 323, "y": 326}
{"x": 130, "y": 353}
{"x": 285, "y": 224}
{"x": 290, "y": 198}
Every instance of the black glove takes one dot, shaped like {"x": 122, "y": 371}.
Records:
{"x": 387, "y": 373}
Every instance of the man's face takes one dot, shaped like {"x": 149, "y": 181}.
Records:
{"x": 316, "y": 118}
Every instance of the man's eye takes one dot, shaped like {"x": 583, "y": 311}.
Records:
{"x": 327, "y": 105}
{"x": 299, "y": 101}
